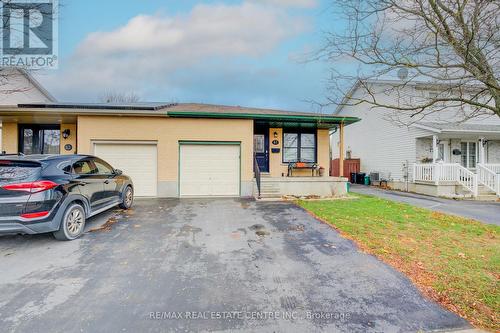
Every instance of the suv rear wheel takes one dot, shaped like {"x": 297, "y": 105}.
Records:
{"x": 72, "y": 224}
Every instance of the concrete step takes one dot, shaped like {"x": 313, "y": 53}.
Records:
{"x": 267, "y": 189}
{"x": 486, "y": 193}
{"x": 269, "y": 195}
{"x": 262, "y": 192}
{"x": 487, "y": 197}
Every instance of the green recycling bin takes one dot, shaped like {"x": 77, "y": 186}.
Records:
{"x": 367, "y": 180}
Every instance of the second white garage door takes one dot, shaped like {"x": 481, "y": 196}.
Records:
{"x": 135, "y": 160}
{"x": 209, "y": 170}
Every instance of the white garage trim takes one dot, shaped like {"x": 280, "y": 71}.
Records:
{"x": 124, "y": 142}
{"x": 208, "y": 143}
{"x": 152, "y": 181}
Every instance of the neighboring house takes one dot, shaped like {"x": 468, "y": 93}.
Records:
{"x": 434, "y": 155}
{"x": 18, "y": 86}
{"x": 185, "y": 150}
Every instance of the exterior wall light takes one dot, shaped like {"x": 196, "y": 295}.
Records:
{"x": 66, "y": 133}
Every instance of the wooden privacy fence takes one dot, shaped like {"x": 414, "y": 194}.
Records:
{"x": 350, "y": 165}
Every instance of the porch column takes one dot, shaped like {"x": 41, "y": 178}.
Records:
{"x": 341, "y": 150}
{"x": 435, "y": 149}
{"x": 482, "y": 157}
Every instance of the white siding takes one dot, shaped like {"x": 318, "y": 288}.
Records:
{"x": 493, "y": 151}
{"x": 15, "y": 88}
{"x": 381, "y": 145}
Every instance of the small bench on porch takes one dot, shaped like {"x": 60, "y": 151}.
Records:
{"x": 302, "y": 165}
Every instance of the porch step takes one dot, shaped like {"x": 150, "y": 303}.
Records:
{"x": 267, "y": 189}
{"x": 487, "y": 197}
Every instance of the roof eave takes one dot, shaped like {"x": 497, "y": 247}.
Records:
{"x": 269, "y": 117}
{"x": 38, "y": 85}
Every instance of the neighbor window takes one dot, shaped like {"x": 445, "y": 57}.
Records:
{"x": 299, "y": 147}
{"x": 469, "y": 155}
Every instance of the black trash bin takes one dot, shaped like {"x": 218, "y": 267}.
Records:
{"x": 360, "y": 178}
{"x": 353, "y": 178}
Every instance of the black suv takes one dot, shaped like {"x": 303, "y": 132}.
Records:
{"x": 57, "y": 193}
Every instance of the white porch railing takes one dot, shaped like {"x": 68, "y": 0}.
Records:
{"x": 446, "y": 172}
{"x": 467, "y": 179}
{"x": 489, "y": 176}
{"x": 424, "y": 172}
{"x": 493, "y": 167}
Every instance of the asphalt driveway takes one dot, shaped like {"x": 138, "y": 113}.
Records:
{"x": 207, "y": 265}
{"x": 483, "y": 211}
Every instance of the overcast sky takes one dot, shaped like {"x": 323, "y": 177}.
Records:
{"x": 247, "y": 53}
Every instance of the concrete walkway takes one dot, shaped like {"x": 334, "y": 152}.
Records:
{"x": 487, "y": 212}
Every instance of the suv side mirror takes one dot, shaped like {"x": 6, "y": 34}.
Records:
{"x": 117, "y": 172}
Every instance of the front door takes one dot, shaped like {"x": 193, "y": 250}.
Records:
{"x": 39, "y": 139}
{"x": 444, "y": 152}
{"x": 261, "y": 149}
{"x": 469, "y": 154}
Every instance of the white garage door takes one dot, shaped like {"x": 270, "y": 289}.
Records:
{"x": 209, "y": 170}
{"x": 135, "y": 160}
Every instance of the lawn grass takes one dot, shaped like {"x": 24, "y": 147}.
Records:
{"x": 453, "y": 260}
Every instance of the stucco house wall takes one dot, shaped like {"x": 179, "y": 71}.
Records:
{"x": 10, "y": 136}
{"x": 167, "y": 132}
{"x": 276, "y": 166}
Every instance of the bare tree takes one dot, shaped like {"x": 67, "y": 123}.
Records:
{"x": 119, "y": 97}
{"x": 10, "y": 84}
{"x": 452, "y": 45}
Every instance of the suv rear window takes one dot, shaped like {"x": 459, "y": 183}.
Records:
{"x": 18, "y": 171}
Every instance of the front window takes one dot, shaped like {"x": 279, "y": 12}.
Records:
{"x": 259, "y": 143}
{"x": 299, "y": 147}
{"x": 441, "y": 152}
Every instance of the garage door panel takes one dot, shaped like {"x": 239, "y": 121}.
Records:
{"x": 209, "y": 170}
{"x": 139, "y": 161}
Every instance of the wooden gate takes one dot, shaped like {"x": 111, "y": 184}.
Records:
{"x": 351, "y": 165}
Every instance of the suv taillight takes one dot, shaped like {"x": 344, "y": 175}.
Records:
{"x": 32, "y": 187}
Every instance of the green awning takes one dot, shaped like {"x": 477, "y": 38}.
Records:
{"x": 274, "y": 120}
